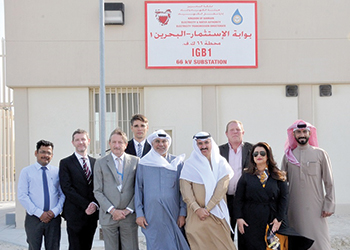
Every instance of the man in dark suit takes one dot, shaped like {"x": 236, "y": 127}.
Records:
{"x": 138, "y": 145}
{"x": 236, "y": 153}
{"x": 114, "y": 185}
{"x": 76, "y": 179}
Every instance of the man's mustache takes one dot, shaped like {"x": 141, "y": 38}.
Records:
{"x": 204, "y": 149}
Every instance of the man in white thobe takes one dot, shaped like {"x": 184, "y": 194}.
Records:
{"x": 308, "y": 170}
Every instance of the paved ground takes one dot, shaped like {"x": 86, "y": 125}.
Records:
{"x": 12, "y": 238}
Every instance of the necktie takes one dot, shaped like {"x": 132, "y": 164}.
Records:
{"x": 87, "y": 170}
{"x": 139, "y": 150}
{"x": 46, "y": 191}
{"x": 119, "y": 170}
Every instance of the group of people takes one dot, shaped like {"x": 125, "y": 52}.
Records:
{"x": 181, "y": 204}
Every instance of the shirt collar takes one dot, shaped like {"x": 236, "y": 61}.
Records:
{"x": 239, "y": 147}
{"x": 79, "y": 156}
{"x": 121, "y": 157}
{"x": 38, "y": 166}
{"x": 137, "y": 143}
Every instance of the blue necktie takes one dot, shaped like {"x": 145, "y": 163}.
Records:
{"x": 46, "y": 191}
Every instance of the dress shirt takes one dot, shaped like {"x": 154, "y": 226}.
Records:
{"x": 122, "y": 158}
{"x": 80, "y": 159}
{"x": 30, "y": 189}
{"x": 235, "y": 161}
{"x": 136, "y": 144}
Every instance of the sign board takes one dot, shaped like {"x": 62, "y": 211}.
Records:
{"x": 201, "y": 34}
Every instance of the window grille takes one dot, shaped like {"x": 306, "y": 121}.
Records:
{"x": 121, "y": 105}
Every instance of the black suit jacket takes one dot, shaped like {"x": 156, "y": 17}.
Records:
{"x": 225, "y": 149}
{"x": 79, "y": 194}
{"x": 130, "y": 149}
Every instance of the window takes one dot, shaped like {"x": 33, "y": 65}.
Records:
{"x": 121, "y": 105}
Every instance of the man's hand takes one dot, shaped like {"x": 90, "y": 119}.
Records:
{"x": 141, "y": 221}
{"x": 46, "y": 217}
{"x": 91, "y": 208}
{"x": 202, "y": 213}
{"x": 181, "y": 221}
{"x": 325, "y": 214}
{"x": 118, "y": 214}
{"x": 126, "y": 212}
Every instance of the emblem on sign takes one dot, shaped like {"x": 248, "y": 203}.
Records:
{"x": 163, "y": 17}
{"x": 237, "y": 18}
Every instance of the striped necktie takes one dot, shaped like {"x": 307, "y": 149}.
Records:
{"x": 86, "y": 170}
{"x": 139, "y": 150}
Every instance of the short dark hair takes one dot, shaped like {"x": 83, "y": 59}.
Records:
{"x": 80, "y": 131}
{"x": 120, "y": 132}
{"x": 138, "y": 117}
{"x": 43, "y": 143}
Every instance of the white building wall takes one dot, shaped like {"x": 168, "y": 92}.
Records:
{"x": 52, "y": 56}
{"x": 51, "y": 114}
{"x": 178, "y": 109}
{"x": 332, "y": 120}
{"x": 265, "y": 112}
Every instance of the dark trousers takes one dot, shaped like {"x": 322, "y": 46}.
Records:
{"x": 36, "y": 230}
{"x": 230, "y": 199}
{"x": 81, "y": 237}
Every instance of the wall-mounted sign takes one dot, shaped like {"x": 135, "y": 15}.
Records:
{"x": 208, "y": 34}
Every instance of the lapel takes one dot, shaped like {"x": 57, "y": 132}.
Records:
{"x": 245, "y": 155}
{"x": 92, "y": 163}
{"x": 226, "y": 151}
{"x": 146, "y": 148}
{"x": 77, "y": 166}
{"x": 112, "y": 168}
{"x": 132, "y": 147}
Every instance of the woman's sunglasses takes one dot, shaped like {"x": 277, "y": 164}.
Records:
{"x": 256, "y": 153}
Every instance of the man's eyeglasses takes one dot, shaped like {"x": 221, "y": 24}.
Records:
{"x": 44, "y": 152}
{"x": 256, "y": 153}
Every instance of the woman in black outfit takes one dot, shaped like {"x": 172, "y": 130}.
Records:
{"x": 261, "y": 199}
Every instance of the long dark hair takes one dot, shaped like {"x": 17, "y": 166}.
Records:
{"x": 274, "y": 171}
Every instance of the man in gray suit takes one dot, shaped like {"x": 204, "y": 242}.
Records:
{"x": 236, "y": 153}
{"x": 114, "y": 181}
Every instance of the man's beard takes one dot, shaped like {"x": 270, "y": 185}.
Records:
{"x": 302, "y": 140}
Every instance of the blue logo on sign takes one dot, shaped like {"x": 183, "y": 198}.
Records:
{"x": 237, "y": 18}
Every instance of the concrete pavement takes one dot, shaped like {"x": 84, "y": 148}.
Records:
{"x": 17, "y": 236}
{"x": 339, "y": 227}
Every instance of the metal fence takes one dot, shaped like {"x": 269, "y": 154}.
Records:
{"x": 7, "y": 137}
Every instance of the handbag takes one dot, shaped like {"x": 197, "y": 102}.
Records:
{"x": 272, "y": 241}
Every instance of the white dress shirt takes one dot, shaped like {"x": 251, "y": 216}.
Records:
{"x": 235, "y": 161}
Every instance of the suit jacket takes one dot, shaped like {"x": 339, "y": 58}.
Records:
{"x": 130, "y": 149}
{"x": 225, "y": 149}
{"x": 79, "y": 194}
{"x": 106, "y": 182}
